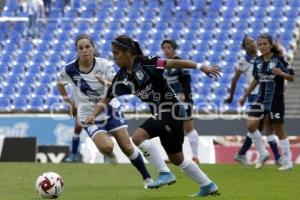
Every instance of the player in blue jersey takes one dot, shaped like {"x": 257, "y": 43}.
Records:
{"x": 270, "y": 71}
{"x": 143, "y": 77}
{"x": 82, "y": 73}
{"x": 180, "y": 82}
{"x": 245, "y": 67}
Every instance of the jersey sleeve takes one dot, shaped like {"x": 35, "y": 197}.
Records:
{"x": 241, "y": 65}
{"x": 284, "y": 65}
{"x": 118, "y": 87}
{"x": 109, "y": 72}
{"x": 64, "y": 78}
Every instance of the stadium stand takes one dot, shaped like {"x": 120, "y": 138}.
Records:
{"x": 206, "y": 30}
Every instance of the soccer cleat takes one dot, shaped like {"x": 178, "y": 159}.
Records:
{"x": 71, "y": 158}
{"x": 164, "y": 178}
{"x": 261, "y": 161}
{"x": 241, "y": 159}
{"x": 285, "y": 166}
{"x": 207, "y": 190}
{"x": 196, "y": 159}
{"x": 147, "y": 181}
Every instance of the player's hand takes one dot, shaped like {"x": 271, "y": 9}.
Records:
{"x": 228, "y": 99}
{"x": 102, "y": 80}
{"x": 277, "y": 71}
{"x": 242, "y": 101}
{"x": 90, "y": 120}
{"x": 212, "y": 71}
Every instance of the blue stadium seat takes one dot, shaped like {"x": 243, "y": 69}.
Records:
{"x": 55, "y": 14}
{"x": 41, "y": 90}
{"x": 247, "y": 4}
{"x": 161, "y": 25}
{"x": 122, "y": 4}
{"x": 9, "y": 90}
{"x": 244, "y": 14}
{"x": 263, "y": 4}
{"x": 36, "y": 103}
{"x": 29, "y": 80}
{"x": 138, "y": 4}
{"x": 118, "y": 14}
{"x": 175, "y": 35}
{"x": 294, "y": 3}
{"x": 168, "y": 4}
{"x": 4, "y": 69}
{"x": 165, "y": 14}
{"x": 199, "y": 4}
{"x": 194, "y": 25}
{"x": 4, "y": 104}
{"x": 45, "y": 80}
{"x": 181, "y": 15}
{"x": 88, "y": 13}
{"x": 70, "y": 14}
{"x": 231, "y": 4}
{"x": 24, "y": 90}
{"x": 18, "y": 69}
{"x": 20, "y": 104}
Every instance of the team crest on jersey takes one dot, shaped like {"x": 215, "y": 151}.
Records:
{"x": 259, "y": 66}
{"x": 272, "y": 65}
{"x": 140, "y": 75}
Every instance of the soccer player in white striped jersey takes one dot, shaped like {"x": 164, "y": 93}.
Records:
{"x": 82, "y": 73}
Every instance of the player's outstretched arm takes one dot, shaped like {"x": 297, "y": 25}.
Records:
{"x": 210, "y": 71}
{"x": 234, "y": 81}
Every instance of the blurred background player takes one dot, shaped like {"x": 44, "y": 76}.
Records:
{"x": 245, "y": 67}
{"x": 87, "y": 90}
{"x": 143, "y": 77}
{"x": 270, "y": 71}
{"x": 180, "y": 81}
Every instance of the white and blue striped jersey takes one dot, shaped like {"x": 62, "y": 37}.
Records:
{"x": 87, "y": 90}
{"x": 246, "y": 65}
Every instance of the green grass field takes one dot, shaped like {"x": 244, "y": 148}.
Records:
{"x": 107, "y": 182}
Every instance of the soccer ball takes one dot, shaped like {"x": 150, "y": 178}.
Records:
{"x": 49, "y": 185}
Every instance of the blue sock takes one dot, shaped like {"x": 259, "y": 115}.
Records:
{"x": 140, "y": 165}
{"x": 75, "y": 144}
{"x": 246, "y": 146}
{"x": 274, "y": 147}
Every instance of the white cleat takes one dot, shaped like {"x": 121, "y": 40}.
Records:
{"x": 285, "y": 167}
{"x": 261, "y": 161}
{"x": 147, "y": 181}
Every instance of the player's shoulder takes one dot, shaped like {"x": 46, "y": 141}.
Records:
{"x": 71, "y": 65}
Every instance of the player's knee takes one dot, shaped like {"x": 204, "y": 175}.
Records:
{"x": 106, "y": 148}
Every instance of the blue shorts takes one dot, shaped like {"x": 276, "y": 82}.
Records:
{"x": 114, "y": 121}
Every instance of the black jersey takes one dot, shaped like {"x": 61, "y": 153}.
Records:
{"x": 271, "y": 87}
{"x": 146, "y": 82}
{"x": 180, "y": 81}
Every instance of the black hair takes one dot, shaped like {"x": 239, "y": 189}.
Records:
{"x": 86, "y": 36}
{"x": 276, "y": 49}
{"x": 244, "y": 41}
{"x": 171, "y": 42}
{"x": 126, "y": 43}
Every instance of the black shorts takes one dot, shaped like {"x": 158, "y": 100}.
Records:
{"x": 276, "y": 113}
{"x": 169, "y": 130}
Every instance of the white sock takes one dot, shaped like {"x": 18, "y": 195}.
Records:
{"x": 271, "y": 138}
{"x": 151, "y": 153}
{"x": 286, "y": 151}
{"x": 134, "y": 154}
{"x": 194, "y": 141}
{"x": 193, "y": 171}
{"x": 258, "y": 141}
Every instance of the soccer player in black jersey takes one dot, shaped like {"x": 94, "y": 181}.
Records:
{"x": 180, "y": 81}
{"x": 270, "y": 71}
{"x": 143, "y": 77}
